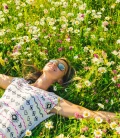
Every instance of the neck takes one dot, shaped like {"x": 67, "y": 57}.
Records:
{"x": 43, "y": 82}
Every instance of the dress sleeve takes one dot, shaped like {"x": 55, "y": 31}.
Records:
{"x": 52, "y": 100}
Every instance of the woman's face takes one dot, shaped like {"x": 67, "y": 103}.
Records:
{"x": 55, "y": 69}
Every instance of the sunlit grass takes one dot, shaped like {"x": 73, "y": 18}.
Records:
{"x": 85, "y": 32}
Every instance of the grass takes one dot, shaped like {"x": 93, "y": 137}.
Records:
{"x": 85, "y": 32}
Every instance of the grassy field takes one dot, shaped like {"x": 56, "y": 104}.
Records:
{"x": 88, "y": 34}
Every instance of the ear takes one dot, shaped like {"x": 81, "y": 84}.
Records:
{"x": 60, "y": 81}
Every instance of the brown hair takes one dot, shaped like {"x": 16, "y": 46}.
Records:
{"x": 33, "y": 73}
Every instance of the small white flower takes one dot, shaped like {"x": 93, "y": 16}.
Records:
{"x": 118, "y": 67}
{"x": 98, "y": 119}
{"x": 101, "y": 105}
{"x": 87, "y": 83}
{"x": 82, "y": 136}
{"x": 102, "y": 70}
{"x": 60, "y": 136}
{"x": 118, "y": 76}
{"x": 30, "y": 1}
{"x": 114, "y": 79}
{"x": 118, "y": 130}
{"x": 112, "y": 102}
{"x": 101, "y": 39}
{"x": 28, "y": 133}
{"x": 118, "y": 41}
{"x": 113, "y": 125}
{"x": 114, "y": 52}
{"x": 98, "y": 133}
{"x": 117, "y": 1}
{"x": 86, "y": 114}
{"x": 86, "y": 49}
{"x": 55, "y": 88}
{"x": 76, "y": 57}
{"x": 49, "y": 124}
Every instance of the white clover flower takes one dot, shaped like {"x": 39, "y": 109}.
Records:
{"x": 52, "y": 9}
{"x": 101, "y": 105}
{"x": 17, "y": 7}
{"x": 41, "y": 6}
{"x": 88, "y": 11}
{"x": 102, "y": 9}
{"x": 101, "y": 39}
{"x": 74, "y": 5}
{"x": 23, "y": 4}
{"x": 118, "y": 41}
{"x": 95, "y": 60}
{"x": 76, "y": 57}
{"x": 86, "y": 114}
{"x": 118, "y": 76}
{"x": 45, "y": 11}
{"x": 76, "y": 31}
{"x": 2, "y": 19}
{"x": 36, "y": 22}
{"x": 82, "y": 7}
{"x": 114, "y": 52}
{"x": 28, "y": 133}
{"x": 30, "y": 1}
{"x": 82, "y": 136}
{"x": 86, "y": 49}
{"x": 70, "y": 29}
{"x": 6, "y": 11}
{"x": 102, "y": 70}
{"x": 20, "y": 25}
{"x": 112, "y": 102}
{"x": 2, "y": 32}
{"x": 105, "y": 29}
{"x": 105, "y": 23}
{"x": 65, "y": 4}
{"x": 113, "y": 125}
{"x": 98, "y": 119}
{"x": 107, "y": 18}
{"x": 49, "y": 124}
{"x": 118, "y": 130}
{"x": 91, "y": 51}
{"x": 113, "y": 6}
{"x": 118, "y": 67}
{"x": 77, "y": 22}
{"x": 93, "y": 36}
{"x": 87, "y": 83}
{"x": 117, "y": 1}
{"x": 114, "y": 79}
{"x": 60, "y": 136}
{"x": 98, "y": 133}
{"x": 20, "y": 14}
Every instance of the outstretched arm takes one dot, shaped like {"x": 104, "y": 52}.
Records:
{"x": 68, "y": 109}
{"x": 5, "y": 81}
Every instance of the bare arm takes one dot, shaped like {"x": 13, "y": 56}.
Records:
{"x": 5, "y": 81}
{"x": 68, "y": 109}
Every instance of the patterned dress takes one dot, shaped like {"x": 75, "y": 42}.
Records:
{"x": 23, "y": 107}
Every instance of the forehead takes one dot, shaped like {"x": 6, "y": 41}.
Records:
{"x": 63, "y": 62}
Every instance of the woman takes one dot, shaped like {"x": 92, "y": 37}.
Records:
{"x": 23, "y": 106}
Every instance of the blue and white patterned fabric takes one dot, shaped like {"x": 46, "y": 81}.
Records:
{"x": 23, "y": 107}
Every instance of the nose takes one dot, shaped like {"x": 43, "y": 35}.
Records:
{"x": 55, "y": 64}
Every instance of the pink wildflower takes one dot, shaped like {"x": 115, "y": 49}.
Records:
{"x": 77, "y": 115}
{"x": 96, "y": 55}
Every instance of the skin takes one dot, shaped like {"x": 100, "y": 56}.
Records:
{"x": 52, "y": 74}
